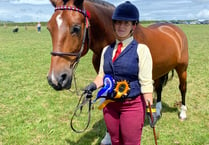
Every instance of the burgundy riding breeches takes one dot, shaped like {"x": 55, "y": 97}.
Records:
{"x": 125, "y": 120}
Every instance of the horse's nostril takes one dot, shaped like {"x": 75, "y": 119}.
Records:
{"x": 62, "y": 78}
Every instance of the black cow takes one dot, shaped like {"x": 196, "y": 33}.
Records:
{"x": 15, "y": 30}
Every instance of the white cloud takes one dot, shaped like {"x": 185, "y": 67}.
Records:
{"x": 203, "y": 1}
{"x": 41, "y": 10}
{"x": 203, "y": 14}
{"x": 35, "y": 2}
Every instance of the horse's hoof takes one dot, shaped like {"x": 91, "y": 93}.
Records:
{"x": 182, "y": 119}
{"x": 159, "y": 109}
{"x": 182, "y": 114}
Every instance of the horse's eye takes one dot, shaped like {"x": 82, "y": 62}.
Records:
{"x": 75, "y": 29}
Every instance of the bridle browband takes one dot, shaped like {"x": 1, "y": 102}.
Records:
{"x": 86, "y": 24}
{"x": 84, "y": 12}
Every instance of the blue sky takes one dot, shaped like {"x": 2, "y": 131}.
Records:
{"x": 41, "y": 10}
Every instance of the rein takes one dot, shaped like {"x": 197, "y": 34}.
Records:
{"x": 85, "y": 100}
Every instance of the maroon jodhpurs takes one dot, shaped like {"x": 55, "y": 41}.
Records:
{"x": 125, "y": 120}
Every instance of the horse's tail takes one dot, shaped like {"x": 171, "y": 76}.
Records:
{"x": 165, "y": 78}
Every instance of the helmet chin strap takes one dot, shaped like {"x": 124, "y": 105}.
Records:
{"x": 131, "y": 32}
{"x": 133, "y": 29}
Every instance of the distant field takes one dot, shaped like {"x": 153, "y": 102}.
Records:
{"x": 32, "y": 113}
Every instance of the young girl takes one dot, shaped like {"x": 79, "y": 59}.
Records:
{"x": 125, "y": 61}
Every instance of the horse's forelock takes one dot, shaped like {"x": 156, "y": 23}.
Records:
{"x": 65, "y": 1}
{"x": 78, "y": 3}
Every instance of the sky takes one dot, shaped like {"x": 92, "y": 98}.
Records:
{"x": 41, "y": 10}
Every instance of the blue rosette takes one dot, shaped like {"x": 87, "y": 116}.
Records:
{"x": 107, "y": 89}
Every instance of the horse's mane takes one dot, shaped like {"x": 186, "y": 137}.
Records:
{"x": 104, "y": 3}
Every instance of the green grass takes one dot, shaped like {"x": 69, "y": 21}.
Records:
{"x": 32, "y": 113}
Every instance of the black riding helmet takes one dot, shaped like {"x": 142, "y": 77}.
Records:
{"x": 126, "y": 12}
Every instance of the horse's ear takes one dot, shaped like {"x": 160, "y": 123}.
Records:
{"x": 58, "y": 2}
{"x": 54, "y": 2}
{"x": 78, "y": 3}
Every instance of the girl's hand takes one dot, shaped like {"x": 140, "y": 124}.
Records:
{"x": 148, "y": 96}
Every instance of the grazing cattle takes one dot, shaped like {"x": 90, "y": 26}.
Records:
{"x": 15, "y": 30}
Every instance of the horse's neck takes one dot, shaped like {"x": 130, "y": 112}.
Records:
{"x": 101, "y": 31}
{"x": 142, "y": 34}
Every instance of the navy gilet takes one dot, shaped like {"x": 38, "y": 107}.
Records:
{"x": 125, "y": 67}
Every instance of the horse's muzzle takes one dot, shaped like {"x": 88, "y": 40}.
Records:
{"x": 60, "y": 82}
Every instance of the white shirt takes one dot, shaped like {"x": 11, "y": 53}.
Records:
{"x": 145, "y": 64}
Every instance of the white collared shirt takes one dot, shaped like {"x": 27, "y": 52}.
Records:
{"x": 145, "y": 64}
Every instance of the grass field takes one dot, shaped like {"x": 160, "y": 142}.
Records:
{"x": 32, "y": 113}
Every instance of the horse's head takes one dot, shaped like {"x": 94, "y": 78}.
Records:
{"x": 68, "y": 28}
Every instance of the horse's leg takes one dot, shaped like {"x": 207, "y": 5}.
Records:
{"x": 182, "y": 74}
{"x": 158, "y": 89}
{"x": 158, "y": 85}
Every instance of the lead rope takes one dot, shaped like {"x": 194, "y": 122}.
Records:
{"x": 74, "y": 78}
{"x": 76, "y": 88}
{"x": 80, "y": 107}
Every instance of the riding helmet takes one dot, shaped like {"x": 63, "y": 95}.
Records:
{"x": 126, "y": 12}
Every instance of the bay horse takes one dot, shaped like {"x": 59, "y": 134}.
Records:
{"x": 78, "y": 25}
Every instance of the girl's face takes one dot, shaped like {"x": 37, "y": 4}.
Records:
{"x": 123, "y": 29}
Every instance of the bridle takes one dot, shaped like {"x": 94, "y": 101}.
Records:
{"x": 84, "y": 100}
{"x": 86, "y": 15}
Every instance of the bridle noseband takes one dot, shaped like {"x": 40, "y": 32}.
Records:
{"x": 86, "y": 24}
